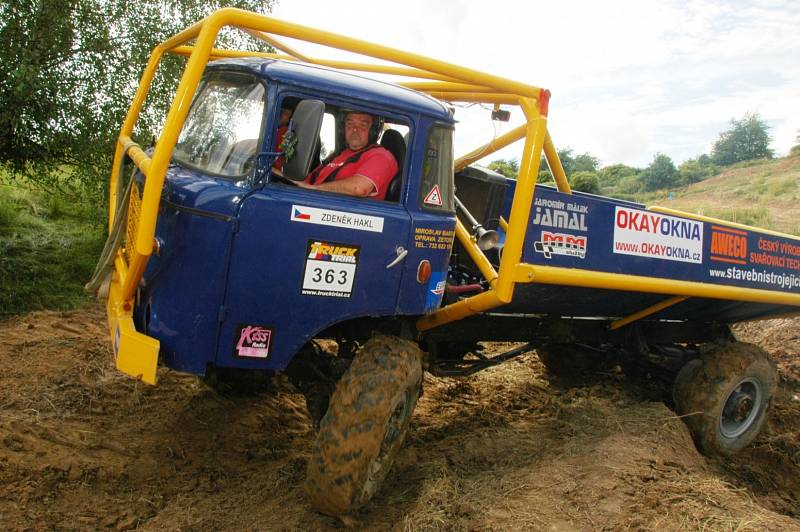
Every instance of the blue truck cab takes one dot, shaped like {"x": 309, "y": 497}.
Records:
{"x": 248, "y": 267}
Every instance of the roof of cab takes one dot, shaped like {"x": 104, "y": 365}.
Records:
{"x": 379, "y": 93}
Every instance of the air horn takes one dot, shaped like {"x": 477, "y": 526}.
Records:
{"x": 486, "y": 238}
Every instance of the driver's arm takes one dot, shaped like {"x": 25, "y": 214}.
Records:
{"x": 355, "y": 185}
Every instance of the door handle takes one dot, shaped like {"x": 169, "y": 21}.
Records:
{"x": 401, "y": 254}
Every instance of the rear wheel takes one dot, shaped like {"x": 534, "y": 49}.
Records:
{"x": 365, "y": 425}
{"x": 725, "y": 396}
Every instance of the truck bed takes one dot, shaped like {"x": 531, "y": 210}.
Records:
{"x": 590, "y": 233}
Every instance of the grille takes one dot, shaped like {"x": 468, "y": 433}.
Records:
{"x": 134, "y": 210}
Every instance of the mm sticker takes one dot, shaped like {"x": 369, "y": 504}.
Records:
{"x": 561, "y": 244}
{"x": 347, "y": 220}
{"x": 657, "y": 236}
{"x": 253, "y": 341}
{"x": 330, "y": 269}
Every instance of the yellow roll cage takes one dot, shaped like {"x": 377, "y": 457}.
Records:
{"x": 439, "y": 79}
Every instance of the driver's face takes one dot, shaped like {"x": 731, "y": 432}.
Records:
{"x": 356, "y": 130}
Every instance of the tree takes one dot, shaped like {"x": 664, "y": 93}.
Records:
{"x": 69, "y": 70}
{"x": 613, "y": 174}
{"x": 506, "y": 167}
{"x": 747, "y": 139}
{"x": 585, "y": 182}
{"x": 660, "y": 174}
{"x": 571, "y": 164}
{"x": 585, "y": 163}
{"x": 692, "y": 171}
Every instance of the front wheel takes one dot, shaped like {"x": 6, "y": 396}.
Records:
{"x": 725, "y": 396}
{"x": 365, "y": 425}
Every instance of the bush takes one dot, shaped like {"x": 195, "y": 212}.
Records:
{"x": 660, "y": 174}
{"x": 9, "y": 213}
{"x": 611, "y": 175}
{"x": 795, "y": 151}
{"x": 48, "y": 249}
{"x": 630, "y": 184}
{"x": 585, "y": 182}
{"x": 692, "y": 171}
{"x": 545, "y": 177}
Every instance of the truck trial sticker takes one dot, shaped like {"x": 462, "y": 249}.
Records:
{"x": 330, "y": 269}
{"x": 657, "y": 236}
{"x": 253, "y": 341}
{"x": 561, "y": 244}
{"x": 348, "y": 220}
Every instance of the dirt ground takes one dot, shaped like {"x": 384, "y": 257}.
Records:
{"x": 83, "y": 447}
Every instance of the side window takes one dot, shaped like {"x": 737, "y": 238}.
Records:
{"x": 436, "y": 184}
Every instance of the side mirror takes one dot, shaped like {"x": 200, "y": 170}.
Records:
{"x": 305, "y": 126}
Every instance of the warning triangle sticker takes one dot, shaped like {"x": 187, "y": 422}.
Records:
{"x": 434, "y": 197}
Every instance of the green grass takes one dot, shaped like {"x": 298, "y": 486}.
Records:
{"x": 756, "y": 216}
{"x": 48, "y": 248}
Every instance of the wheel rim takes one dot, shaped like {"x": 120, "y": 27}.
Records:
{"x": 394, "y": 430}
{"x": 741, "y": 408}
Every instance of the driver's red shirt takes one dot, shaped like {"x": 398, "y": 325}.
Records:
{"x": 376, "y": 164}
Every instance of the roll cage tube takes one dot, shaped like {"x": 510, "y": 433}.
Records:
{"x": 453, "y": 82}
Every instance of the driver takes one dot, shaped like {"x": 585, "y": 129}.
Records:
{"x": 364, "y": 168}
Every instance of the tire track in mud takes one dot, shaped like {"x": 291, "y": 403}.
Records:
{"x": 83, "y": 447}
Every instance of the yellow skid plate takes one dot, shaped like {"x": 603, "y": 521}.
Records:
{"x": 136, "y": 354}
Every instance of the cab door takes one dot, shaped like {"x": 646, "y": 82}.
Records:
{"x": 301, "y": 261}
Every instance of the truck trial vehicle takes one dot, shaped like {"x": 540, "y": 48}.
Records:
{"x": 219, "y": 264}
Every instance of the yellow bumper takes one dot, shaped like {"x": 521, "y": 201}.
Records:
{"x": 135, "y": 354}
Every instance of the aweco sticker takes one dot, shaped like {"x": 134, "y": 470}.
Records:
{"x": 434, "y": 197}
{"x": 330, "y": 269}
{"x": 253, "y": 341}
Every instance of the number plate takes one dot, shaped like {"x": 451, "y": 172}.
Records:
{"x": 330, "y": 269}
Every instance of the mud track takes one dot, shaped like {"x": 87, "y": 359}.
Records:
{"x": 82, "y": 447}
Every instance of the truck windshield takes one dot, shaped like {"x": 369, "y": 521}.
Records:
{"x": 223, "y": 130}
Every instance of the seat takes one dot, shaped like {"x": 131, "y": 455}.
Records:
{"x": 393, "y": 141}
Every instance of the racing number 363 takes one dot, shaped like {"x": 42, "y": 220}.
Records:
{"x": 329, "y": 276}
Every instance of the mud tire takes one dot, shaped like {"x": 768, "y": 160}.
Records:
{"x": 569, "y": 360}
{"x": 725, "y": 396}
{"x": 365, "y": 425}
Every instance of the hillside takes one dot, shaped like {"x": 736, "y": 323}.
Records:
{"x": 764, "y": 194}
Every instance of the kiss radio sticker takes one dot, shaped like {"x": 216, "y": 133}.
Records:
{"x": 330, "y": 269}
{"x": 253, "y": 341}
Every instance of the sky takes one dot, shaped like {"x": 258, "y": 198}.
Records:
{"x": 629, "y": 79}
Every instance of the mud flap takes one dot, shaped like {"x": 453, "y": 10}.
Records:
{"x": 135, "y": 354}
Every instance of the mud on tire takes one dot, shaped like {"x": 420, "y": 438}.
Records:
{"x": 725, "y": 396}
{"x": 365, "y": 425}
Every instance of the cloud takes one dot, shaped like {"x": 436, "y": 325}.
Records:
{"x": 629, "y": 78}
